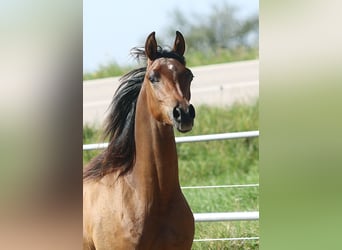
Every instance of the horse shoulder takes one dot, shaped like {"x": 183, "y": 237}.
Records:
{"x": 109, "y": 217}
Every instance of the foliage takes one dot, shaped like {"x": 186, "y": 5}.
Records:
{"x": 218, "y": 37}
{"x": 217, "y": 163}
{"x": 219, "y": 29}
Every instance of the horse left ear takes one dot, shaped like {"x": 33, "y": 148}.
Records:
{"x": 179, "y": 46}
{"x": 151, "y": 46}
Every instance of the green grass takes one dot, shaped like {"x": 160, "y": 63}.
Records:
{"x": 109, "y": 69}
{"x": 198, "y": 58}
{"x": 217, "y": 163}
{"x": 90, "y": 135}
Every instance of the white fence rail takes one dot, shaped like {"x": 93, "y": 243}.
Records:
{"x": 222, "y": 186}
{"x": 230, "y": 216}
{"x": 227, "y": 239}
{"x": 195, "y": 138}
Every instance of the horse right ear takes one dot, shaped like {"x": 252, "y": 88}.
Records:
{"x": 151, "y": 46}
{"x": 179, "y": 45}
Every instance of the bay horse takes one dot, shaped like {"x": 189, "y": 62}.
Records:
{"x": 131, "y": 193}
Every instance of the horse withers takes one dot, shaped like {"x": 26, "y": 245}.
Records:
{"x": 131, "y": 193}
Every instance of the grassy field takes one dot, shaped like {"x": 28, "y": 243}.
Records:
{"x": 217, "y": 163}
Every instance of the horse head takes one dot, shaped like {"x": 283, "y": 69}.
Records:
{"x": 168, "y": 83}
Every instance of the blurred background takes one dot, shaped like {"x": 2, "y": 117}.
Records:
{"x": 41, "y": 81}
{"x": 215, "y": 31}
{"x": 222, "y": 50}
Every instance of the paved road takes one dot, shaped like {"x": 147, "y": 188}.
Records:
{"x": 220, "y": 85}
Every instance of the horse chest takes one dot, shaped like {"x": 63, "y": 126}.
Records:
{"x": 135, "y": 224}
{"x": 169, "y": 229}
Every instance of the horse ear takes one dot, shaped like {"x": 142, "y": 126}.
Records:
{"x": 151, "y": 46}
{"x": 179, "y": 46}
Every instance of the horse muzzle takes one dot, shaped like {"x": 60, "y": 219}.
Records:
{"x": 184, "y": 117}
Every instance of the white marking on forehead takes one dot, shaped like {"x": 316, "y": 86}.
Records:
{"x": 171, "y": 67}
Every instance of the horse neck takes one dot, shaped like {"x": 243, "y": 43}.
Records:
{"x": 156, "y": 167}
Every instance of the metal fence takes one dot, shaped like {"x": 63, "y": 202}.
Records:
{"x": 211, "y": 217}
{"x": 195, "y": 138}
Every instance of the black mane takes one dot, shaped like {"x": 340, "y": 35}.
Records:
{"x": 139, "y": 54}
{"x": 119, "y": 126}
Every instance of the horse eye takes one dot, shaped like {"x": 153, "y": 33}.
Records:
{"x": 153, "y": 77}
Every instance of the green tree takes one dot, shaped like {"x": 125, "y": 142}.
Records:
{"x": 217, "y": 37}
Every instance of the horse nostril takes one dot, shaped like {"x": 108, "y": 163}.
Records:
{"x": 177, "y": 113}
{"x": 192, "y": 111}
{"x": 180, "y": 115}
